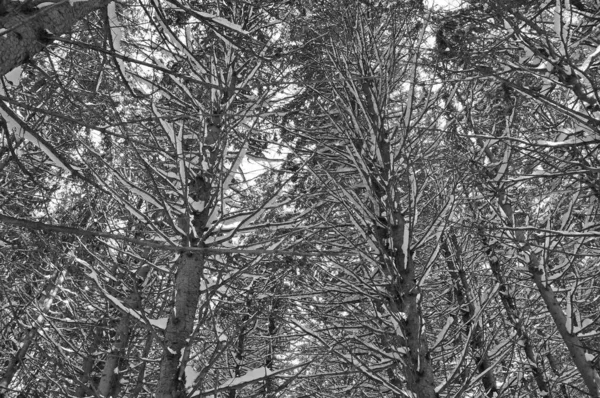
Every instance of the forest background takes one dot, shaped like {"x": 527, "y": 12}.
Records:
{"x": 309, "y": 198}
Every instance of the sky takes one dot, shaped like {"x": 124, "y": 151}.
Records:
{"x": 445, "y": 4}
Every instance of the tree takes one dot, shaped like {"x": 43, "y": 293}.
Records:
{"x": 27, "y": 28}
{"x": 293, "y": 199}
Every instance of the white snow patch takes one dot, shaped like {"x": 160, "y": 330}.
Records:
{"x": 14, "y": 76}
{"x": 223, "y": 22}
{"x": 160, "y": 323}
{"x": 589, "y": 357}
{"x": 252, "y": 375}
{"x": 443, "y": 332}
{"x": 190, "y": 377}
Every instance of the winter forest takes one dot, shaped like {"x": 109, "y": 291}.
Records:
{"x": 302, "y": 198}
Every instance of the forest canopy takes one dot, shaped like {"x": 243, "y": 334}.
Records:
{"x": 304, "y": 198}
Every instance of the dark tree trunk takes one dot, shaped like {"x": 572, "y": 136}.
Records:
{"x": 26, "y": 32}
{"x": 171, "y": 383}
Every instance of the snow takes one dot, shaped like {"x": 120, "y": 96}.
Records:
{"x": 250, "y": 376}
{"x": 504, "y": 165}
{"x": 222, "y": 22}
{"x": 509, "y": 28}
{"x": 397, "y": 327}
{"x": 586, "y": 64}
{"x": 405, "y": 241}
{"x": 198, "y": 206}
{"x": 137, "y": 191}
{"x": 165, "y": 125}
{"x": 561, "y": 26}
{"x": 589, "y": 357}
{"x": 122, "y": 306}
{"x": 443, "y": 332}
{"x": 116, "y": 33}
{"x": 584, "y": 324}
{"x": 190, "y": 377}
{"x": 34, "y": 140}
{"x": 160, "y": 323}
{"x": 14, "y": 76}
{"x": 115, "y": 30}
{"x": 234, "y": 168}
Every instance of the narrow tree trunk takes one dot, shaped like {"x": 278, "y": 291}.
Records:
{"x": 171, "y": 383}
{"x": 239, "y": 355}
{"x": 109, "y": 380}
{"x": 27, "y": 33}
{"x": 462, "y": 288}
{"x": 142, "y": 372}
{"x": 406, "y": 299}
{"x": 514, "y": 318}
{"x": 84, "y": 390}
{"x": 269, "y": 387}
{"x": 588, "y": 374}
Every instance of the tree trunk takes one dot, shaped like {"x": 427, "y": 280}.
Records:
{"x": 468, "y": 310}
{"x": 270, "y": 390}
{"x": 171, "y": 383}
{"x": 516, "y": 320}
{"x": 589, "y": 375}
{"x": 108, "y": 381}
{"x": 142, "y": 372}
{"x": 84, "y": 390}
{"x": 27, "y": 33}
{"x": 406, "y": 299}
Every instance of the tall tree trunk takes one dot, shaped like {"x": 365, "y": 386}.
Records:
{"x": 239, "y": 355}
{"x": 418, "y": 371}
{"x": 588, "y": 373}
{"x": 269, "y": 385}
{"x": 468, "y": 310}
{"x": 16, "y": 361}
{"x": 142, "y": 372}
{"x": 25, "y": 33}
{"x": 109, "y": 380}
{"x": 406, "y": 304}
{"x": 84, "y": 390}
{"x": 171, "y": 383}
{"x": 515, "y": 319}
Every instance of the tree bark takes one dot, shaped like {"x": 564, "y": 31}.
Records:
{"x": 108, "y": 382}
{"x": 171, "y": 383}
{"x": 418, "y": 371}
{"x": 464, "y": 296}
{"x": 515, "y": 319}
{"x": 84, "y": 389}
{"x": 25, "y": 34}
{"x": 406, "y": 298}
{"x": 142, "y": 372}
{"x": 270, "y": 390}
{"x": 588, "y": 373}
